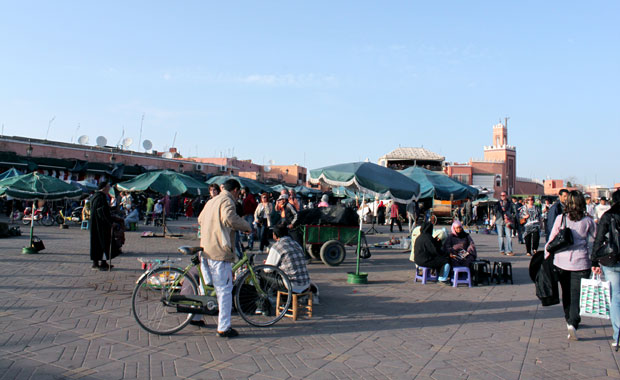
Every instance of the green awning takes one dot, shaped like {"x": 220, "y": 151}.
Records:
{"x": 165, "y": 182}
{"x": 366, "y": 177}
{"x": 438, "y": 185}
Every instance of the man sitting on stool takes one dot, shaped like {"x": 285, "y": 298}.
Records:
{"x": 288, "y": 255}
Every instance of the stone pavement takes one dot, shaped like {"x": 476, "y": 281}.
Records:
{"x": 60, "y": 320}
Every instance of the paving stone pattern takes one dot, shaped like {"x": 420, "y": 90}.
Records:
{"x": 60, "y": 320}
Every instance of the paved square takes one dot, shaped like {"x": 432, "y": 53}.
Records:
{"x": 60, "y": 320}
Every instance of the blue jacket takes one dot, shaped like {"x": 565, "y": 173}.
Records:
{"x": 556, "y": 209}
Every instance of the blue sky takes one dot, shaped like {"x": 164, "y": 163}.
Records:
{"x": 320, "y": 83}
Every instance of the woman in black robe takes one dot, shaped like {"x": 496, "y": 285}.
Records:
{"x": 428, "y": 253}
{"x": 100, "y": 227}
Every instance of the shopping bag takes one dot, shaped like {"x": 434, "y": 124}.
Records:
{"x": 595, "y": 299}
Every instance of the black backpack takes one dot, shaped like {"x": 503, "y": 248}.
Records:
{"x": 608, "y": 254}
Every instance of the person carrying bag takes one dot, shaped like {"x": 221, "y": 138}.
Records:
{"x": 605, "y": 253}
{"x": 568, "y": 243}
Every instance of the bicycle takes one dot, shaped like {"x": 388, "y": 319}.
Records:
{"x": 166, "y": 297}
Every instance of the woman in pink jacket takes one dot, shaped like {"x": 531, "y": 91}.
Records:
{"x": 573, "y": 263}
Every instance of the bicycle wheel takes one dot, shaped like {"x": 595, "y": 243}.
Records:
{"x": 259, "y": 308}
{"x": 149, "y": 302}
{"x": 47, "y": 220}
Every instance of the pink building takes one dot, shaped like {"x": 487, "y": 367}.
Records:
{"x": 58, "y": 158}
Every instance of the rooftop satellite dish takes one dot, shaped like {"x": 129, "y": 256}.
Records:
{"x": 167, "y": 155}
{"x": 147, "y": 144}
{"x": 101, "y": 141}
{"x": 267, "y": 167}
{"x": 83, "y": 140}
{"x": 127, "y": 142}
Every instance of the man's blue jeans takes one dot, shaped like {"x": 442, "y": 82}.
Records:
{"x": 612, "y": 274}
{"x": 503, "y": 238}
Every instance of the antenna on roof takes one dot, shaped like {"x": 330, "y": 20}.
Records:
{"x": 141, "y": 123}
{"x": 121, "y": 139}
{"x": 49, "y": 124}
{"x": 76, "y": 131}
{"x": 147, "y": 144}
{"x": 167, "y": 155}
{"x": 127, "y": 142}
{"x": 101, "y": 141}
{"x": 174, "y": 140}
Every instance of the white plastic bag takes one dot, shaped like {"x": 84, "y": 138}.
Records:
{"x": 595, "y": 299}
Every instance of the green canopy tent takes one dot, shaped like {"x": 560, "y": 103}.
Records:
{"x": 279, "y": 187}
{"x": 438, "y": 185}
{"x": 253, "y": 186}
{"x": 307, "y": 191}
{"x": 367, "y": 178}
{"x": 12, "y": 172}
{"x": 35, "y": 186}
{"x": 165, "y": 182}
{"x": 301, "y": 190}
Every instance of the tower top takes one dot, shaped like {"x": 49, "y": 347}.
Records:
{"x": 500, "y": 135}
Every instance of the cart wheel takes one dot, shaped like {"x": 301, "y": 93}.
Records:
{"x": 333, "y": 253}
{"x": 314, "y": 250}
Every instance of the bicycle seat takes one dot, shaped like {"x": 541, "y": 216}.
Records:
{"x": 187, "y": 250}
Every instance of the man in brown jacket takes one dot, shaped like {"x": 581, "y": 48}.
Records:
{"x": 218, "y": 222}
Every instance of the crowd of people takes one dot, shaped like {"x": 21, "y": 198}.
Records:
{"x": 591, "y": 227}
{"x": 232, "y": 211}
{"x": 232, "y": 216}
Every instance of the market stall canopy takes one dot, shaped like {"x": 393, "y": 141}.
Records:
{"x": 307, "y": 191}
{"x": 279, "y": 187}
{"x": 368, "y": 178}
{"x": 485, "y": 200}
{"x": 33, "y": 186}
{"x": 438, "y": 185}
{"x": 165, "y": 182}
{"x": 87, "y": 187}
{"x": 344, "y": 192}
{"x": 12, "y": 172}
{"x": 255, "y": 187}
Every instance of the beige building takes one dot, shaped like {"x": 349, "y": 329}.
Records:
{"x": 402, "y": 158}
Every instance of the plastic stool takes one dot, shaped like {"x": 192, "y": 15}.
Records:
{"x": 481, "y": 271}
{"x": 133, "y": 226}
{"x": 424, "y": 276}
{"x": 502, "y": 270}
{"x": 456, "y": 280}
{"x": 293, "y": 310}
{"x": 84, "y": 225}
